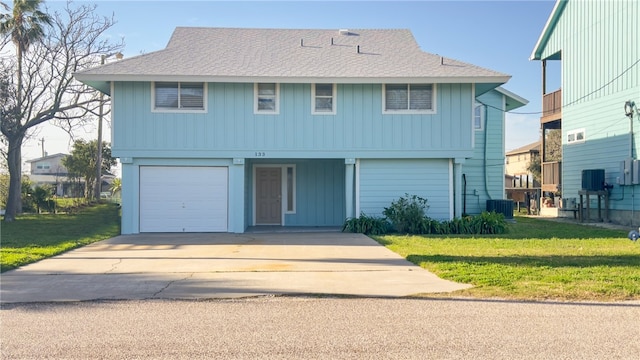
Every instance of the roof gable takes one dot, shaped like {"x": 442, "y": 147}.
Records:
{"x": 292, "y": 55}
{"x": 549, "y": 27}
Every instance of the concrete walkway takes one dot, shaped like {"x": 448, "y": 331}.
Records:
{"x": 205, "y": 266}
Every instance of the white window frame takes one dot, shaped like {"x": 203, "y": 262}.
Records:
{"x": 572, "y": 136}
{"x": 482, "y": 107}
{"x": 314, "y": 110}
{"x": 179, "y": 110}
{"x": 434, "y": 98}
{"x": 276, "y": 110}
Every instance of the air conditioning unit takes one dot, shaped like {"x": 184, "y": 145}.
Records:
{"x": 593, "y": 179}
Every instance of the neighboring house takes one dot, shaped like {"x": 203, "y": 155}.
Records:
{"x": 518, "y": 161}
{"x": 49, "y": 170}
{"x": 230, "y": 128}
{"x": 519, "y": 181}
{"x": 596, "y": 44}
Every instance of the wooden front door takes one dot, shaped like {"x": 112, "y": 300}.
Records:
{"x": 268, "y": 196}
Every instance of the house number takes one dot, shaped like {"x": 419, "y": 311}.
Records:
{"x": 260, "y": 154}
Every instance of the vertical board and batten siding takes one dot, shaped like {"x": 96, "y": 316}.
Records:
{"x": 486, "y": 182}
{"x": 320, "y": 195}
{"x": 385, "y": 180}
{"x": 229, "y": 127}
{"x": 599, "y": 41}
{"x": 600, "y": 71}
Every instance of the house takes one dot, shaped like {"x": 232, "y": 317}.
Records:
{"x": 228, "y": 128}
{"x": 519, "y": 181}
{"x": 517, "y": 164}
{"x": 595, "y": 111}
{"x": 49, "y": 170}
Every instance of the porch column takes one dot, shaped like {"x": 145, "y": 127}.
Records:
{"x": 457, "y": 173}
{"x": 128, "y": 195}
{"x": 236, "y": 223}
{"x": 349, "y": 180}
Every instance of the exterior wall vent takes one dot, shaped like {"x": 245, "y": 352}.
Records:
{"x": 593, "y": 179}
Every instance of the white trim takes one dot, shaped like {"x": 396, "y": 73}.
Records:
{"x": 84, "y": 78}
{"x": 509, "y": 94}
{"x": 334, "y": 100}
{"x": 205, "y": 87}
{"x": 276, "y": 111}
{"x": 451, "y": 204}
{"x": 283, "y": 188}
{"x": 357, "y": 189}
{"x": 483, "y": 109}
{"x": 575, "y": 136}
{"x": 434, "y": 100}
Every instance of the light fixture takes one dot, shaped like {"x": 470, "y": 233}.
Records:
{"x": 628, "y": 108}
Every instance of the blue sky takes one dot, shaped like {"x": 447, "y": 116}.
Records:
{"x": 499, "y": 35}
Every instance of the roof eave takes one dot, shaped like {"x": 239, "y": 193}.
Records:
{"x": 516, "y": 101}
{"x": 101, "y": 82}
{"x": 558, "y": 8}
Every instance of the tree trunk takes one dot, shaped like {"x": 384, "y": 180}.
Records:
{"x": 14, "y": 157}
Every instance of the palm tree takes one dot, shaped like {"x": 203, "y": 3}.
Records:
{"x": 25, "y": 25}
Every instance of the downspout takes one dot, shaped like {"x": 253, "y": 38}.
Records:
{"x": 464, "y": 194}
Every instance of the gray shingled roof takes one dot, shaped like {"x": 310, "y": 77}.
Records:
{"x": 288, "y": 55}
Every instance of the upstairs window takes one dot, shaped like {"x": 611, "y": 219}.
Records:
{"x": 266, "y": 98}
{"x": 179, "y": 96}
{"x": 323, "y": 98}
{"x": 576, "y": 136}
{"x": 410, "y": 98}
{"x": 478, "y": 116}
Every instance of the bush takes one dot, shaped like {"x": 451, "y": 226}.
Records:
{"x": 407, "y": 214}
{"x": 367, "y": 225}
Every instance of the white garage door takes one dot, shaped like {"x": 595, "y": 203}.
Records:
{"x": 183, "y": 199}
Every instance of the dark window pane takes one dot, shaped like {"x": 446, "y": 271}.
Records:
{"x": 166, "y": 95}
{"x": 396, "y": 97}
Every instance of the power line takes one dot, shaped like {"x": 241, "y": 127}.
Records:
{"x": 576, "y": 100}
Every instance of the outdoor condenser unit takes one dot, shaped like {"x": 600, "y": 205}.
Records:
{"x": 593, "y": 179}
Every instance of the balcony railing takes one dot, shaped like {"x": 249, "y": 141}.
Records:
{"x": 552, "y": 106}
{"x": 551, "y": 176}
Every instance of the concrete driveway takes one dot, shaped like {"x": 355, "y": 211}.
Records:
{"x": 205, "y": 266}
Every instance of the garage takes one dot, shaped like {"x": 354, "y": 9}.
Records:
{"x": 183, "y": 199}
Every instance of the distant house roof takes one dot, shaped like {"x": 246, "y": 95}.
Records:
{"x": 47, "y": 157}
{"x": 533, "y": 147}
{"x": 291, "y": 56}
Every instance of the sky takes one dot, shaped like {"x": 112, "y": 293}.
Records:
{"x": 499, "y": 35}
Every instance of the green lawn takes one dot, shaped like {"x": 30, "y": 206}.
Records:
{"x": 537, "y": 259}
{"x": 34, "y": 237}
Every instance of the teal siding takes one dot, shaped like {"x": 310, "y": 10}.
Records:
{"x": 484, "y": 172}
{"x": 320, "y": 192}
{"x": 598, "y": 41}
{"x": 229, "y": 128}
{"x": 383, "y": 181}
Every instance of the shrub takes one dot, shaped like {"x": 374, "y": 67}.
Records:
{"x": 407, "y": 214}
{"x": 368, "y": 225}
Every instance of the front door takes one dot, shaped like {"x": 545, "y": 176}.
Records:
{"x": 268, "y": 196}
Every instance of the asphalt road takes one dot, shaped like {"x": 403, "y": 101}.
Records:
{"x": 320, "y": 328}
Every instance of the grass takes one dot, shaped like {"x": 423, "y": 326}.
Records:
{"x": 536, "y": 260}
{"x": 33, "y": 237}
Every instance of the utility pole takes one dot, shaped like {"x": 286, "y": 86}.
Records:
{"x": 98, "y": 187}
{"x": 42, "y": 143}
